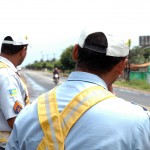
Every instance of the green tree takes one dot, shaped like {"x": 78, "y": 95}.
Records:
{"x": 139, "y": 55}
{"x": 44, "y": 65}
{"x": 66, "y": 59}
{"x": 147, "y": 54}
{"x": 49, "y": 65}
{"x": 37, "y": 66}
{"x": 58, "y": 64}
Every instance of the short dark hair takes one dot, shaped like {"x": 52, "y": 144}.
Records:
{"x": 11, "y": 49}
{"x": 96, "y": 61}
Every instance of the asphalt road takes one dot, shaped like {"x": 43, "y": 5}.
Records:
{"x": 41, "y": 82}
{"x": 135, "y": 96}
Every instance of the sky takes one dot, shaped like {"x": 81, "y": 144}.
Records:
{"x": 53, "y": 25}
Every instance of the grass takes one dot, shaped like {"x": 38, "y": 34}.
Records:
{"x": 135, "y": 84}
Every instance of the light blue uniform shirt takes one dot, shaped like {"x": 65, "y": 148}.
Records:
{"x": 113, "y": 124}
{"x": 11, "y": 90}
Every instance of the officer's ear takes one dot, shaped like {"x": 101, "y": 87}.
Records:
{"x": 23, "y": 51}
{"x": 75, "y": 52}
{"x": 121, "y": 66}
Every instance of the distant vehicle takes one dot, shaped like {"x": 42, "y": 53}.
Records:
{"x": 56, "y": 79}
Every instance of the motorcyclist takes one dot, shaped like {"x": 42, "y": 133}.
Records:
{"x": 56, "y": 74}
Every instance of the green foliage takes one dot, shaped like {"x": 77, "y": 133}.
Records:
{"x": 40, "y": 65}
{"x": 139, "y": 55}
{"x": 58, "y": 64}
{"x": 64, "y": 63}
{"x": 66, "y": 59}
{"x": 49, "y": 66}
{"x": 136, "y": 84}
{"x": 147, "y": 53}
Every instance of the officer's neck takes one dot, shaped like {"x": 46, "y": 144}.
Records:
{"x": 108, "y": 77}
{"x": 14, "y": 59}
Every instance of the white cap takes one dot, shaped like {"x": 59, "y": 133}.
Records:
{"x": 16, "y": 40}
{"x": 116, "y": 48}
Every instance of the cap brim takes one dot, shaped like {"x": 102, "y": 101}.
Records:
{"x": 95, "y": 48}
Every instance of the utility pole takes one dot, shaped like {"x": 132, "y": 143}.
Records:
{"x": 47, "y": 56}
{"x": 128, "y": 65}
{"x": 42, "y": 55}
{"x": 54, "y": 55}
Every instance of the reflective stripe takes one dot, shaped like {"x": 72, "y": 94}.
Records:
{"x": 81, "y": 103}
{"x": 50, "y": 119}
{"x": 49, "y": 116}
{"x": 73, "y": 110}
{"x": 3, "y": 65}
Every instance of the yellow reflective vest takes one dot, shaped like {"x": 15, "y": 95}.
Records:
{"x": 57, "y": 125}
{"x": 4, "y": 135}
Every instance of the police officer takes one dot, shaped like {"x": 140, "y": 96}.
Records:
{"x": 13, "y": 93}
{"x": 81, "y": 114}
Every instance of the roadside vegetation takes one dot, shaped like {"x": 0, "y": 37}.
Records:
{"x": 134, "y": 84}
{"x": 138, "y": 55}
{"x": 65, "y": 64}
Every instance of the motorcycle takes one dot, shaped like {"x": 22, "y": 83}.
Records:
{"x": 56, "y": 79}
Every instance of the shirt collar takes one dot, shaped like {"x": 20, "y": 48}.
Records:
{"x": 87, "y": 77}
{"x": 7, "y": 62}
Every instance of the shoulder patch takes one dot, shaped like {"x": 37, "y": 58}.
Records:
{"x": 12, "y": 92}
{"x": 17, "y": 107}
